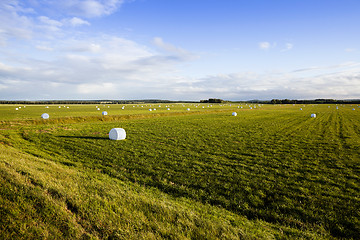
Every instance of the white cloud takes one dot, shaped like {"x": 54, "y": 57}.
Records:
{"x": 288, "y": 46}
{"x": 44, "y": 48}
{"x": 84, "y": 8}
{"x": 175, "y": 52}
{"x": 89, "y": 68}
{"x": 14, "y": 25}
{"x": 75, "y": 22}
{"x": 93, "y": 88}
{"x": 341, "y": 83}
{"x": 264, "y": 45}
{"x": 48, "y": 21}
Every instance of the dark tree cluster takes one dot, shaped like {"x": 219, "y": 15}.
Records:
{"x": 212, "y": 100}
{"x": 315, "y": 101}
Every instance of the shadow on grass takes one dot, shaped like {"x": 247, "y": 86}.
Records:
{"x": 85, "y": 137}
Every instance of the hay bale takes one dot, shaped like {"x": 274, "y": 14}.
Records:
{"x": 117, "y": 134}
{"x": 44, "y": 116}
{"x": 16, "y": 109}
{"x": 313, "y": 115}
{"x": 188, "y": 109}
{"x": 104, "y": 113}
{"x": 234, "y": 114}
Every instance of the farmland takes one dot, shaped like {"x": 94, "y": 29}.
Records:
{"x": 270, "y": 172}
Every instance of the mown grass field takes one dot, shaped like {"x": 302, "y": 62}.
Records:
{"x": 271, "y": 172}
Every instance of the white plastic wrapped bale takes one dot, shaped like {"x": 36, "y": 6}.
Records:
{"x": 117, "y": 134}
{"x": 188, "y": 109}
{"x": 44, "y": 116}
{"x": 104, "y": 113}
{"x": 313, "y": 115}
{"x": 234, "y": 114}
{"x": 300, "y": 108}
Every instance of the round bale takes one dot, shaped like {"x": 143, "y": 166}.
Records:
{"x": 234, "y": 114}
{"x": 313, "y": 115}
{"x": 117, "y": 134}
{"x": 44, "y": 116}
{"x": 104, "y": 113}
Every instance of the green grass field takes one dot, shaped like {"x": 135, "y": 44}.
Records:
{"x": 271, "y": 172}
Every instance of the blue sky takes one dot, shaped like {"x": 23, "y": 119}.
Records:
{"x": 179, "y": 49}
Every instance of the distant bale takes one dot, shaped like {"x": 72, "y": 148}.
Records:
{"x": 234, "y": 114}
{"x": 353, "y": 109}
{"x": 168, "y": 109}
{"x": 188, "y": 109}
{"x": 313, "y": 115}
{"x": 44, "y": 116}
{"x": 301, "y": 109}
{"x": 117, "y": 134}
{"x": 150, "y": 109}
{"x": 104, "y": 113}
{"x": 98, "y": 109}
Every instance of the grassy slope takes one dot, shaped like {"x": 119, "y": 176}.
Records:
{"x": 43, "y": 199}
{"x": 301, "y": 175}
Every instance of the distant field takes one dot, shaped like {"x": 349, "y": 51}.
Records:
{"x": 270, "y": 172}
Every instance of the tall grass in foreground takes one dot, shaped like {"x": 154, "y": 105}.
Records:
{"x": 269, "y": 173}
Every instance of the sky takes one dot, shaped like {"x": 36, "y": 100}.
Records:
{"x": 179, "y": 49}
